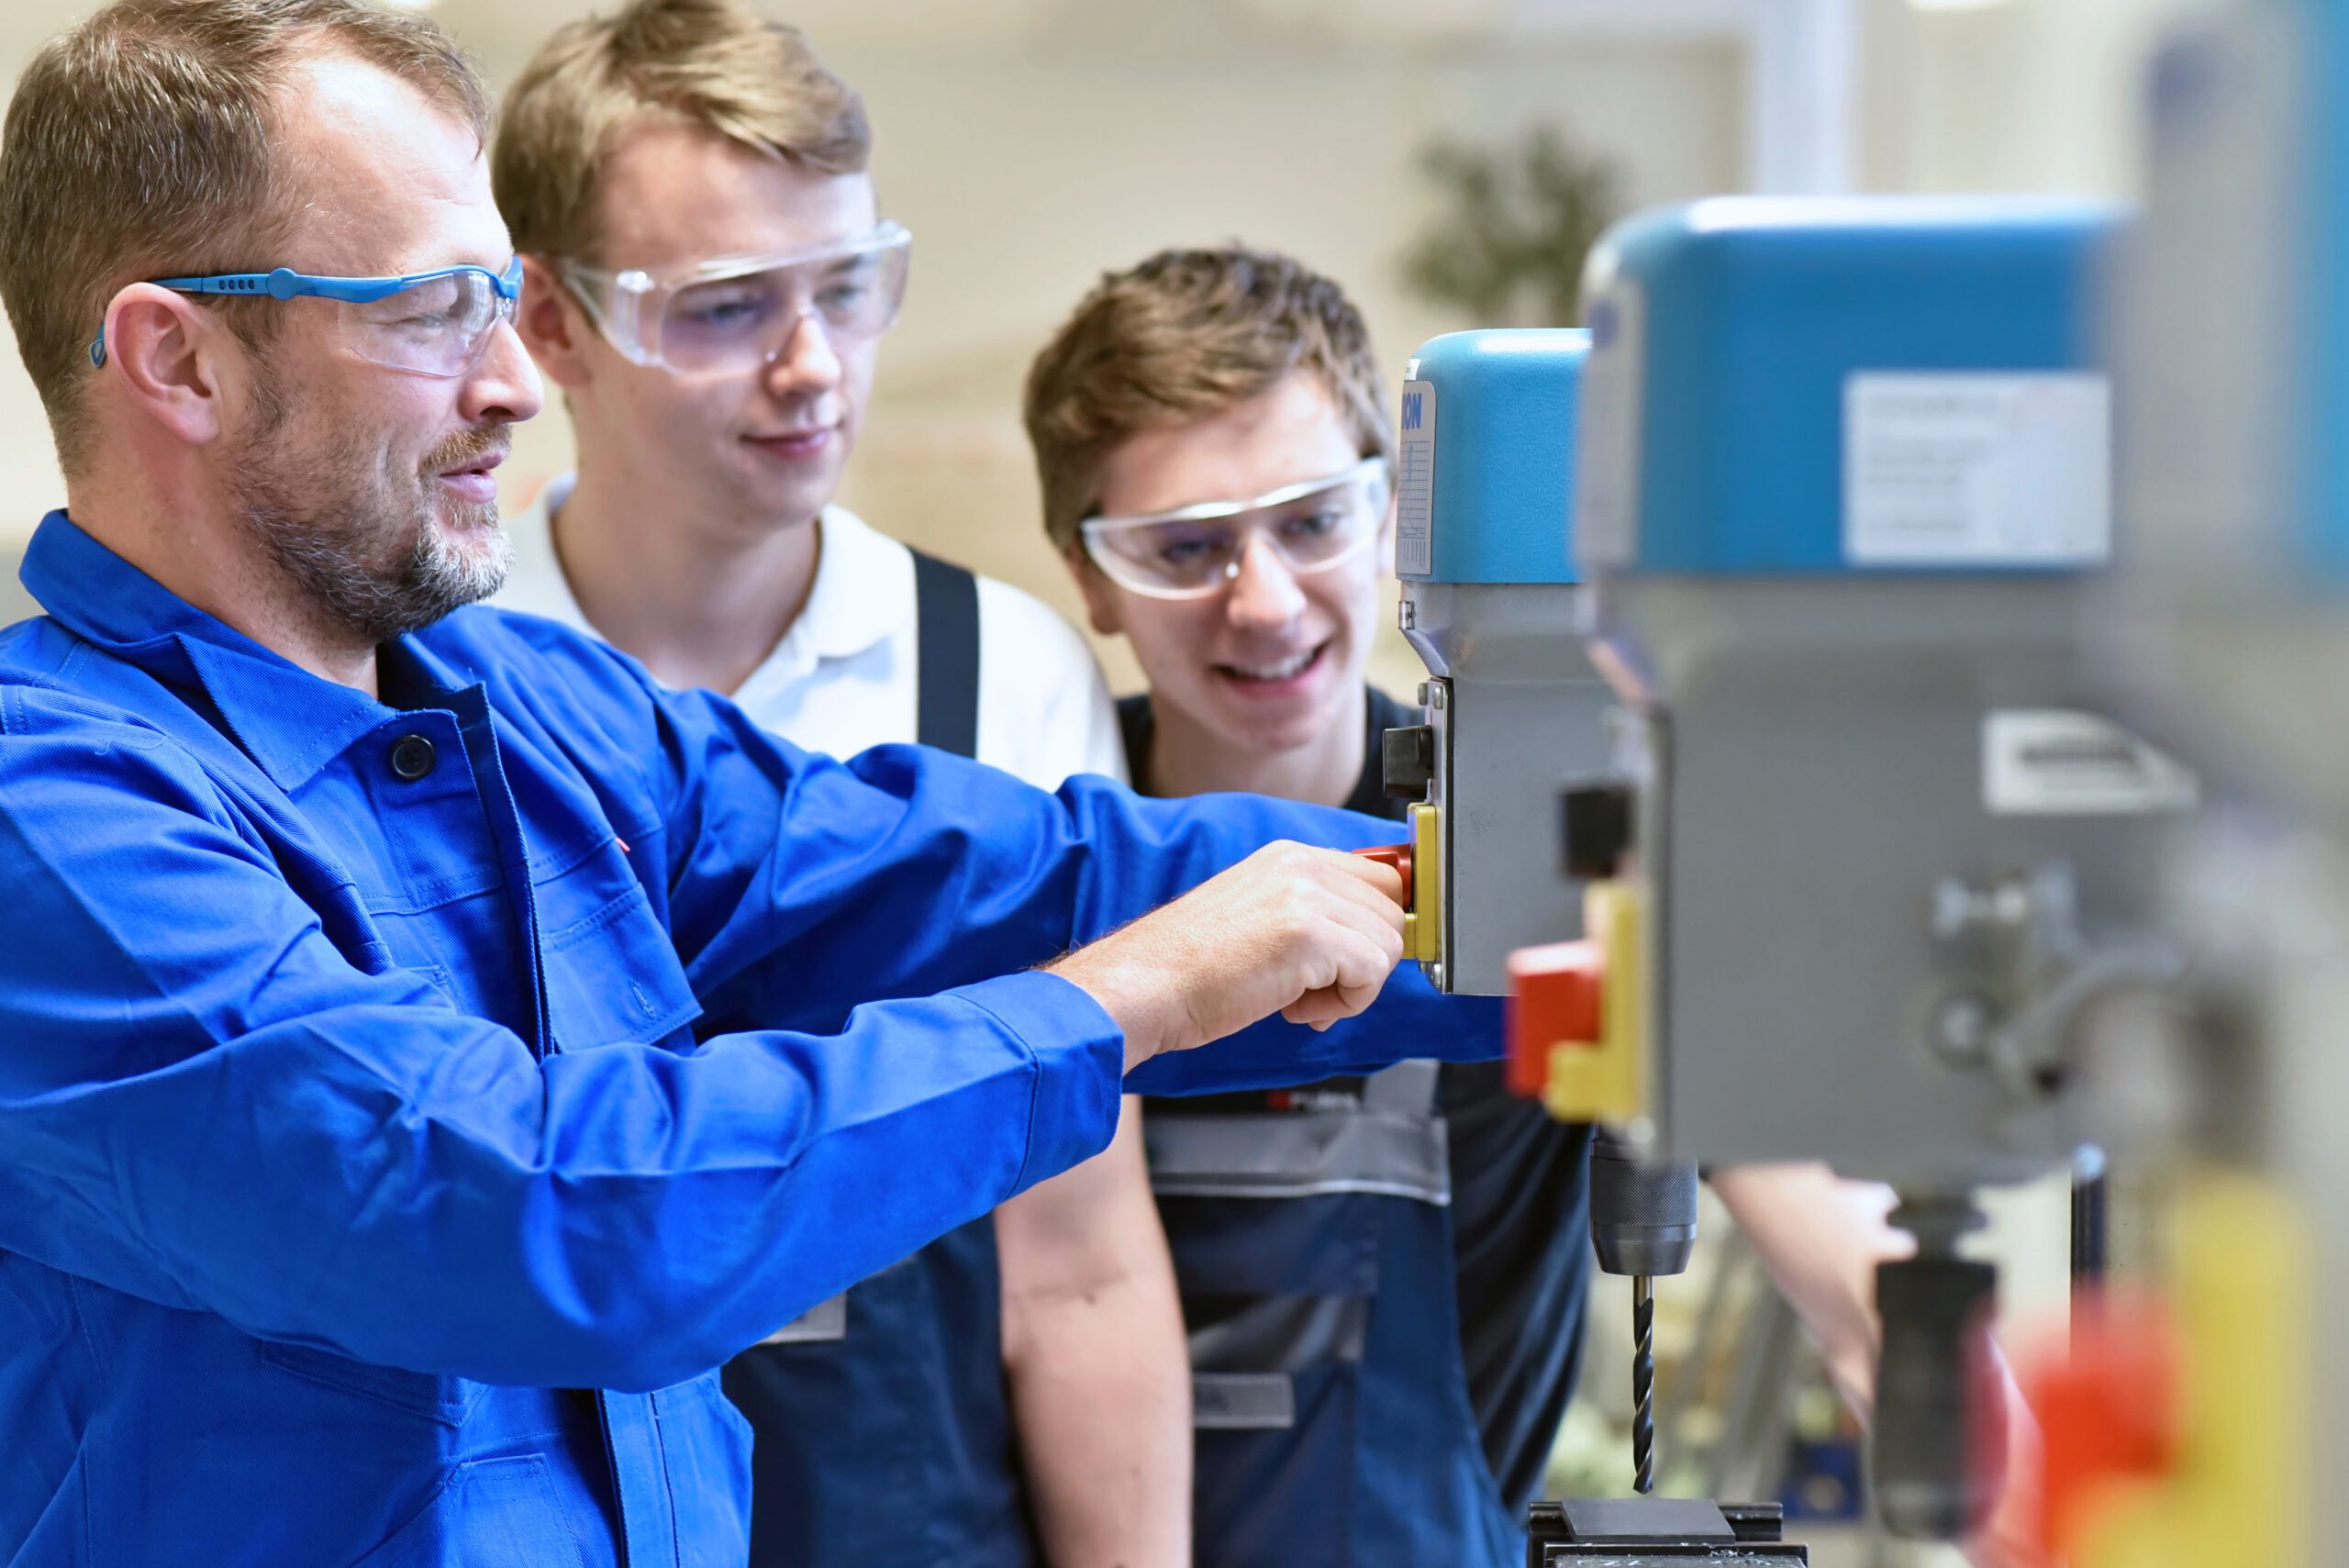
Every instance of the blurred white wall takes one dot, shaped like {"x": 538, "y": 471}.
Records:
{"x": 1024, "y": 179}
{"x": 2019, "y": 95}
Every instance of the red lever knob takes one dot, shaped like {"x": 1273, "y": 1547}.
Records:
{"x": 1395, "y": 855}
{"x": 1554, "y": 994}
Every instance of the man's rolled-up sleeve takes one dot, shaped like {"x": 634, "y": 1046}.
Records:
{"x": 203, "y": 1101}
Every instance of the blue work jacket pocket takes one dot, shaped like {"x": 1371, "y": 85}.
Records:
{"x": 489, "y": 1513}
{"x": 611, "y": 967}
{"x": 448, "y": 1400}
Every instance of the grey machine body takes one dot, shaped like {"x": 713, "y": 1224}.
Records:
{"x": 1879, "y": 903}
{"x": 1517, "y": 711}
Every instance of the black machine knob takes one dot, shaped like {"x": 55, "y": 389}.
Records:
{"x": 1939, "y": 1404}
{"x": 1595, "y": 829}
{"x": 1407, "y": 760}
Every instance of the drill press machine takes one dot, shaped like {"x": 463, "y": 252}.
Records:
{"x": 1843, "y": 478}
{"x": 1513, "y": 709}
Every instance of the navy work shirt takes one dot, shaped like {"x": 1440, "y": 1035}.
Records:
{"x": 405, "y": 1105}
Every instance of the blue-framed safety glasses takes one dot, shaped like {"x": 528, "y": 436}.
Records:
{"x": 434, "y": 324}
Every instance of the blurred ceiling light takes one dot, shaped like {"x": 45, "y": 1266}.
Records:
{"x": 1933, "y": 4}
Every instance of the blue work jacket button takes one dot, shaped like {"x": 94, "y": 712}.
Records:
{"x": 412, "y": 757}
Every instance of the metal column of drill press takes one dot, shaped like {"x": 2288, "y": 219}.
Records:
{"x": 1643, "y": 1224}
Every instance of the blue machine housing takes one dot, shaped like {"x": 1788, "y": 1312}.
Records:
{"x": 1488, "y": 456}
{"x": 1731, "y": 326}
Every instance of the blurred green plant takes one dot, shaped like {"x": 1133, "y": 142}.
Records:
{"x": 1507, "y": 248}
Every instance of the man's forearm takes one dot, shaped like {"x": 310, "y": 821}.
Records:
{"x": 1099, "y": 1377}
{"x": 1820, "y": 1239}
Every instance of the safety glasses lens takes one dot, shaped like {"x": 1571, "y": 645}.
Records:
{"x": 1308, "y": 533}
{"x": 436, "y": 327}
{"x": 741, "y": 322}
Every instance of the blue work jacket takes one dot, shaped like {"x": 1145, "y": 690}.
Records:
{"x": 407, "y": 1104}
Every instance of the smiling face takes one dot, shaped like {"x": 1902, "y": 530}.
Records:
{"x": 764, "y": 447}
{"x": 369, "y": 488}
{"x": 1268, "y": 661}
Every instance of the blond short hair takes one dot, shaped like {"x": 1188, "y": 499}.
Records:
{"x": 1181, "y": 338}
{"x": 714, "y": 64}
{"x": 141, "y": 145}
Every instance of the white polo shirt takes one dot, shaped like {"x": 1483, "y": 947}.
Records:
{"x": 843, "y": 676}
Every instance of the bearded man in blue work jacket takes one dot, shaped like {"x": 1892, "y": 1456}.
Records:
{"x": 427, "y": 1048}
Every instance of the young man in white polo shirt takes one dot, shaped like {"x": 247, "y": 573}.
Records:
{"x": 708, "y": 281}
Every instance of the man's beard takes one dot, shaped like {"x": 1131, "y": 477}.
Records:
{"x": 370, "y": 559}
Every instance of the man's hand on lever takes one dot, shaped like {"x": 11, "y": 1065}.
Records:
{"x": 1310, "y": 934}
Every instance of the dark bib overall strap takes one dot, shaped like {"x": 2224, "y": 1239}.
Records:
{"x": 883, "y": 1429}
{"x": 946, "y": 619}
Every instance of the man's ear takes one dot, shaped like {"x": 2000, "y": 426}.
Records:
{"x": 1100, "y": 598}
{"x": 551, "y": 324}
{"x": 165, "y": 351}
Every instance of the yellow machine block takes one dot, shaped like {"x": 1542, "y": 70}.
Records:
{"x": 2239, "y": 1491}
{"x": 1423, "y": 927}
{"x": 1606, "y": 1080}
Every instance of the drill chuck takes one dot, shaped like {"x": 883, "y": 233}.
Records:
{"x": 1642, "y": 1212}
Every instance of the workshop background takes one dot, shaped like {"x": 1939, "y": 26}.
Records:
{"x": 1031, "y": 144}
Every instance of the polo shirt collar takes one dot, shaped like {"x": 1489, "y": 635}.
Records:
{"x": 862, "y": 596}
{"x": 290, "y": 722}
{"x": 863, "y": 591}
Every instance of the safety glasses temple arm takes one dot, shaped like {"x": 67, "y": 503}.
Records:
{"x": 286, "y": 283}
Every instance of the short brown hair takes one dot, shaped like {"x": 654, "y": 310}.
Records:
{"x": 141, "y": 145}
{"x": 716, "y": 64}
{"x": 1183, "y": 337}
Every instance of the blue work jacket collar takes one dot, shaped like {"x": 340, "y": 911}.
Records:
{"x": 290, "y": 722}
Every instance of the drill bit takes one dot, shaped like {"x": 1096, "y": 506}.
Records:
{"x": 1642, "y": 1383}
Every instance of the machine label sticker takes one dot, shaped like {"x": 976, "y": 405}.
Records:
{"x": 1977, "y": 470}
{"x": 2055, "y": 762}
{"x": 1415, "y": 482}
{"x": 1605, "y": 525}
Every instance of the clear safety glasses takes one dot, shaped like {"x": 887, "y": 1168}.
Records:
{"x": 727, "y": 317}
{"x": 1193, "y": 552}
{"x": 432, "y": 324}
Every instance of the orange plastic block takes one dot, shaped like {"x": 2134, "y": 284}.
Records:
{"x": 2109, "y": 1414}
{"x": 1553, "y": 999}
